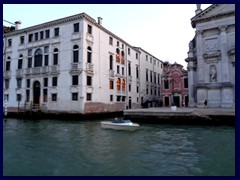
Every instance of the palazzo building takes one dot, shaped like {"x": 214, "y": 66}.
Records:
{"x": 211, "y": 57}
{"x": 174, "y": 89}
{"x": 75, "y": 65}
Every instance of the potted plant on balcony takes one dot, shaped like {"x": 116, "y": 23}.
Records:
{"x": 173, "y": 107}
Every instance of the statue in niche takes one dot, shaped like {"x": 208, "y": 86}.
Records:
{"x": 213, "y": 74}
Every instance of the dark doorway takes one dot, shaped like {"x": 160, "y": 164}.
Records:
{"x": 186, "y": 101}
{"x": 177, "y": 100}
{"x": 130, "y": 103}
{"x": 36, "y": 93}
{"x": 166, "y": 101}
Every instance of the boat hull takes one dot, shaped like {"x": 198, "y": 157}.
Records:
{"x": 120, "y": 126}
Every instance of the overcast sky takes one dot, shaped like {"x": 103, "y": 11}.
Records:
{"x": 164, "y": 30}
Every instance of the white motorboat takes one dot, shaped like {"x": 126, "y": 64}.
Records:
{"x": 126, "y": 125}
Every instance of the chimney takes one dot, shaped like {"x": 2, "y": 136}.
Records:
{"x": 198, "y": 10}
{"x": 99, "y": 20}
{"x": 18, "y": 25}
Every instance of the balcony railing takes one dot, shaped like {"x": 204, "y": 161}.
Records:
{"x": 42, "y": 70}
{"x": 89, "y": 67}
{"x": 75, "y": 68}
{"x": 111, "y": 73}
{"x": 19, "y": 72}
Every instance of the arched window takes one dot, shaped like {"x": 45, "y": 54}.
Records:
{"x": 89, "y": 54}
{"x": 20, "y": 61}
{"x": 118, "y": 84}
{"x": 122, "y": 58}
{"x": 8, "y": 63}
{"x": 38, "y": 58}
{"x": 55, "y": 56}
{"x": 111, "y": 62}
{"x": 123, "y": 85}
{"x": 117, "y": 55}
{"x": 75, "y": 53}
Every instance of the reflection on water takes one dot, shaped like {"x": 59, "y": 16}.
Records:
{"x": 50, "y": 147}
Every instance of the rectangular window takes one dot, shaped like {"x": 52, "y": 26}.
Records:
{"x": 9, "y": 42}
{"x": 54, "y": 97}
{"x": 47, "y": 34}
{"x": 75, "y": 80}
{"x": 28, "y": 83}
{"x": 89, "y": 96}
{"x": 20, "y": 63}
{"x": 41, "y": 35}
{"x": 129, "y": 51}
{"x": 56, "y": 32}
{"x": 46, "y": 60}
{"x": 89, "y": 80}
{"x": 27, "y": 95}
{"x": 29, "y": 62}
{"x": 74, "y": 96}
{"x": 110, "y": 40}
{"x": 111, "y": 84}
{"x": 22, "y": 40}
{"x": 166, "y": 84}
{"x": 136, "y": 55}
{"x": 36, "y": 36}
{"x": 118, "y": 98}
{"x": 54, "y": 81}
{"x": 8, "y": 65}
{"x": 129, "y": 88}
{"x": 118, "y": 69}
{"x": 146, "y": 75}
{"x": 6, "y": 83}
{"x": 19, "y": 97}
{"x": 45, "y": 94}
{"x": 76, "y": 27}
{"x": 6, "y": 97}
{"x": 89, "y": 30}
{"x": 122, "y": 70}
{"x": 55, "y": 59}
{"x": 185, "y": 82}
{"x": 30, "y": 37}
{"x": 111, "y": 98}
{"x": 19, "y": 82}
{"x": 45, "y": 82}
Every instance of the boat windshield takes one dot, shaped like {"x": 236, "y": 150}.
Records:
{"x": 121, "y": 121}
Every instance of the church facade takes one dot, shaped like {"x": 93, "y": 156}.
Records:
{"x": 211, "y": 57}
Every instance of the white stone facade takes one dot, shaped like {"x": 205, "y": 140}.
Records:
{"x": 211, "y": 57}
{"x": 74, "y": 65}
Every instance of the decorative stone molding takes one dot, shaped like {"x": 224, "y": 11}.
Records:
{"x": 223, "y": 28}
{"x": 214, "y": 85}
{"x": 212, "y": 57}
{"x": 199, "y": 32}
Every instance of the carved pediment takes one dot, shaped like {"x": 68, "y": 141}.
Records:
{"x": 213, "y": 12}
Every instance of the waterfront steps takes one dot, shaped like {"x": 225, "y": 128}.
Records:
{"x": 202, "y": 116}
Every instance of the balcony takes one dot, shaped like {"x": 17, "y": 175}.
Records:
{"x": 76, "y": 36}
{"x": 129, "y": 78}
{"x": 89, "y": 38}
{"x": 76, "y": 68}
{"x": 89, "y": 67}
{"x": 7, "y": 74}
{"x": 19, "y": 72}
{"x": 42, "y": 70}
{"x": 111, "y": 73}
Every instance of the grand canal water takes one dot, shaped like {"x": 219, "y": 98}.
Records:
{"x": 70, "y": 148}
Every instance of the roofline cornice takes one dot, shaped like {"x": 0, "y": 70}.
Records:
{"x": 51, "y": 23}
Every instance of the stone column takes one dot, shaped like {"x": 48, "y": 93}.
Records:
{"x": 199, "y": 46}
{"x": 224, "y": 56}
{"x": 191, "y": 84}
